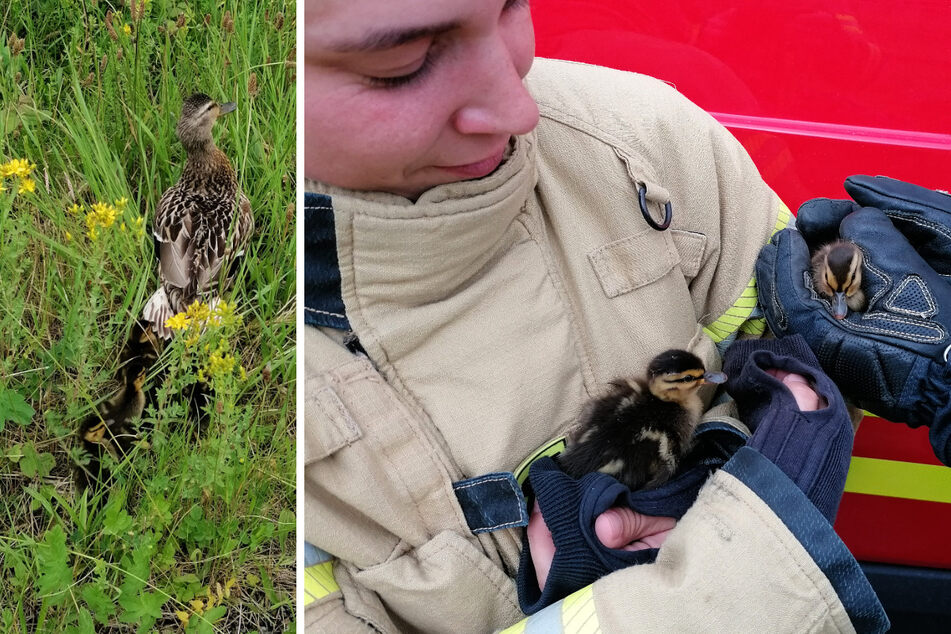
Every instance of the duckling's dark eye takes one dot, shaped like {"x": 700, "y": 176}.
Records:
{"x": 684, "y": 379}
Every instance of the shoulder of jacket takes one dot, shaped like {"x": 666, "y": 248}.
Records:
{"x": 620, "y": 107}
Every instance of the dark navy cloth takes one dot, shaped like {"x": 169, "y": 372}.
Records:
{"x": 491, "y": 502}
{"x": 570, "y": 508}
{"x": 816, "y": 535}
{"x": 323, "y": 303}
{"x": 812, "y": 448}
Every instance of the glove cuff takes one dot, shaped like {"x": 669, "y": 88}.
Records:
{"x": 575, "y": 564}
{"x": 812, "y": 448}
{"x": 934, "y": 409}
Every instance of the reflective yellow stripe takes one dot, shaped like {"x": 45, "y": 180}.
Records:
{"x": 550, "y": 448}
{"x": 578, "y": 615}
{"x": 896, "y": 479}
{"x": 319, "y": 582}
{"x": 518, "y": 628}
{"x": 737, "y": 317}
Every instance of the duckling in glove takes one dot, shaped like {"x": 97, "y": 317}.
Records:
{"x": 837, "y": 275}
{"x": 641, "y": 430}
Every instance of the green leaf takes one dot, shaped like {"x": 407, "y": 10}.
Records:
{"x": 143, "y": 609}
{"x": 52, "y": 561}
{"x": 85, "y": 624}
{"x": 99, "y": 602}
{"x": 115, "y": 520}
{"x": 34, "y": 464}
{"x": 14, "y": 408}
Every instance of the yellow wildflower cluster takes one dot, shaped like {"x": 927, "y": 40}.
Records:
{"x": 220, "y": 363}
{"x": 215, "y": 596}
{"x": 103, "y": 215}
{"x": 199, "y": 314}
{"x": 19, "y": 169}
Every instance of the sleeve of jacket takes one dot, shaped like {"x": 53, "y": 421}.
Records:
{"x": 752, "y": 555}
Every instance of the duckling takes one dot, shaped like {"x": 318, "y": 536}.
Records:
{"x": 111, "y": 427}
{"x": 201, "y": 222}
{"x": 641, "y": 430}
{"x": 837, "y": 275}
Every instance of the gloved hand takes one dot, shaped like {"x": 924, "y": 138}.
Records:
{"x": 922, "y": 215}
{"x": 811, "y": 447}
{"x": 890, "y": 359}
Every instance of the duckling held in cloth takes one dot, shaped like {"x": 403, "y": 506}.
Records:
{"x": 641, "y": 430}
{"x": 202, "y": 221}
{"x": 837, "y": 275}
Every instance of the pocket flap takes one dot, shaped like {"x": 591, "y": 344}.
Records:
{"x": 329, "y": 426}
{"x": 627, "y": 264}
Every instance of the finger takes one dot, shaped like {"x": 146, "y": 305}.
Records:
{"x": 922, "y": 215}
{"x": 619, "y": 526}
{"x": 780, "y": 276}
{"x": 807, "y": 399}
{"x": 818, "y": 219}
{"x": 871, "y": 229}
{"x": 888, "y": 193}
{"x": 541, "y": 545}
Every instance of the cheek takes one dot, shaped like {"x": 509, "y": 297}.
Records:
{"x": 355, "y": 137}
{"x": 519, "y": 35}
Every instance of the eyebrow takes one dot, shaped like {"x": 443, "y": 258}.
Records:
{"x": 391, "y": 38}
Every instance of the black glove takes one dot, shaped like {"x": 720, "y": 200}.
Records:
{"x": 922, "y": 215}
{"x": 890, "y": 359}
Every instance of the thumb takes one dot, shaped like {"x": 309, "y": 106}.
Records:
{"x": 617, "y": 527}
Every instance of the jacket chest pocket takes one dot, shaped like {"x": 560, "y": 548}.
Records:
{"x": 646, "y": 257}
{"x": 645, "y": 279}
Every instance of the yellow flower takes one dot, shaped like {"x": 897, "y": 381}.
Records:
{"x": 17, "y": 167}
{"x": 27, "y": 185}
{"x": 127, "y": 29}
{"x": 121, "y": 203}
{"x": 101, "y": 215}
{"x": 75, "y": 209}
{"x": 69, "y": 237}
{"x": 199, "y": 311}
{"x": 180, "y": 321}
{"x": 183, "y": 617}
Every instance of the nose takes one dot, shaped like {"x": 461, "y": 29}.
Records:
{"x": 498, "y": 102}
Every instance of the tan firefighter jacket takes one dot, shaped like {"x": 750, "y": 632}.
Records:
{"x": 491, "y": 310}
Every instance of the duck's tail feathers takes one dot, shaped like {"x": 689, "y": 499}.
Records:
{"x": 157, "y": 311}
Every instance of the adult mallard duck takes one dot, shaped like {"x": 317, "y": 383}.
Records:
{"x": 641, "y": 430}
{"x": 202, "y": 222}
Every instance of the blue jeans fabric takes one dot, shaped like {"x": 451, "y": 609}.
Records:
{"x": 323, "y": 304}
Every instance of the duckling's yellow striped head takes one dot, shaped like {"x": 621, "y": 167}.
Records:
{"x": 676, "y": 374}
{"x": 837, "y": 273}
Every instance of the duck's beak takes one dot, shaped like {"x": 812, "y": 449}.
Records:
{"x": 225, "y": 108}
{"x": 713, "y": 377}
{"x": 839, "y": 308}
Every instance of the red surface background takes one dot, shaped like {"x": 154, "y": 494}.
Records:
{"x": 815, "y": 91}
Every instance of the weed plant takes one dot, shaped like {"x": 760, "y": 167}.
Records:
{"x": 196, "y": 534}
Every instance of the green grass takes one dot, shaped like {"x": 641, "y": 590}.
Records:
{"x": 95, "y": 111}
